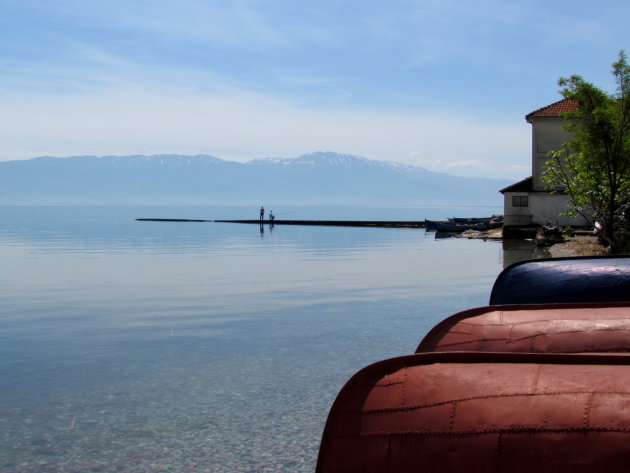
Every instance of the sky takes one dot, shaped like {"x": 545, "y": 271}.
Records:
{"x": 441, "y": 84}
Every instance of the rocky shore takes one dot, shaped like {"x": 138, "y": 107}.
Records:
{"x": 579, "y": 245}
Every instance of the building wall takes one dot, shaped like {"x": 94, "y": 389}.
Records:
{"x": 548, "y": 135}
{"x": 543, "y": 208}
{"x": 547, "y": 209}
{"x": 516, "y": 215}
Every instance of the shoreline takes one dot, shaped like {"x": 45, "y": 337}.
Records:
{"x": 583, "y": 245}
{"x": 579, "y": 245}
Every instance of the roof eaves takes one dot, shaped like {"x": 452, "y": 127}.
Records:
{"x": 553, "y": 110}
{"x": 525, "y": 185}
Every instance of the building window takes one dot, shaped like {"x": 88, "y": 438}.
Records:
{"x": 520, "y": 201}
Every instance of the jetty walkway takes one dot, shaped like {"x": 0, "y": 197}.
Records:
{"x": 328, "y": 223}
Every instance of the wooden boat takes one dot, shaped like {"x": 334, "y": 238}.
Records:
{"x": 538, "y": 328}
{"x": 555, "y": 280}
{"x": 459, "y": 227}
{"x": 429, "y": 225}
{"x": 509, "y": 388}
{"x": 454, "y": 227}
{"x": 471, "y": 220}
{"x": 482, "y": 412}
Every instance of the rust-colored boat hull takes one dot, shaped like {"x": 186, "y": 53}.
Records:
{"x": 535, "y": 328}
{"x": 482, "y": 412}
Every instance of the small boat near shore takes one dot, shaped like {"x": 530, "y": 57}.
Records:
{"x": 458, "y": 225}
{"x": 452, "y": 227}
{"x": 580, "y": 279}
{"x": 430, "y": 225}
{"x": 471, "y": 220}
{"x": 539, "y": 384}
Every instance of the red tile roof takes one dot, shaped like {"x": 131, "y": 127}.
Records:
{"x": 553, "y": 110}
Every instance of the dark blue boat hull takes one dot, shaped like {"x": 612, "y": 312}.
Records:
{"x": 563, "y": 280}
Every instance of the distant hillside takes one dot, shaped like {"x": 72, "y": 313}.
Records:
{"x": 317, "y": 178}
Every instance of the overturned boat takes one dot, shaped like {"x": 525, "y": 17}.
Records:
{"x": 555, "y": 280}
{"x": 482, "y": 412}
{"x": 522, "y": 387}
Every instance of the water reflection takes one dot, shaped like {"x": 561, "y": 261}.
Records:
{"x": 519, "y": 250}
{"x": 513, "y": 250}
{"x": 146, "y": 346}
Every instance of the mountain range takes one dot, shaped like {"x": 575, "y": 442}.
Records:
{"x": 316, "y": 178}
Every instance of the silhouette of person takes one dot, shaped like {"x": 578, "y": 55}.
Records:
{"x": 271, "y": 217}
{"x": 262, "y": 213}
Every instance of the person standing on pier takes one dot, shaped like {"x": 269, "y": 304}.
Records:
{"x": 262, "y": 213}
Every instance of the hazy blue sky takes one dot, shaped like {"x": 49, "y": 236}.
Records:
{"x": 440, "y": 84}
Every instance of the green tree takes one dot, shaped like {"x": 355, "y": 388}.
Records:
{"x": 594, "y": 167}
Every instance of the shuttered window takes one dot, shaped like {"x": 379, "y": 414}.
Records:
{"x": 520, "y": 201}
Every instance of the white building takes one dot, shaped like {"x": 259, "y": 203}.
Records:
{"x": 528, "y": 202}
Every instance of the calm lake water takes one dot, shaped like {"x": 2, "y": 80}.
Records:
{"x": 132, "y": 346}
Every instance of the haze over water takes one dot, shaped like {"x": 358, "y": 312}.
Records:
{"x": 144, "y": 347}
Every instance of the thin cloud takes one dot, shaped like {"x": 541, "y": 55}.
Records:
{"x": 465, "y": 164}
{"x": 241, "y": 126}
{"x": 438, "y": 84}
